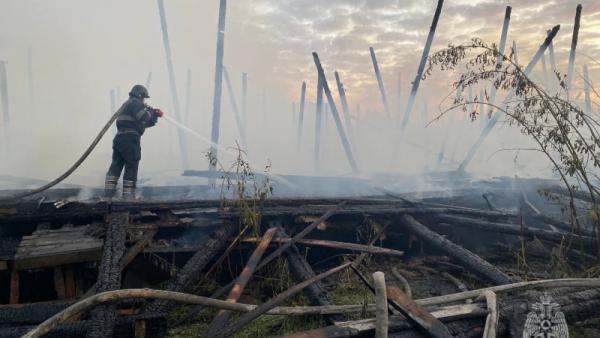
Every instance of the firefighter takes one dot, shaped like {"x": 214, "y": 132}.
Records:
{"x": 133, "y": 119}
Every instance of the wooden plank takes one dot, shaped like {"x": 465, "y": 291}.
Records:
{"x": 137, "y": 247}
{"x": 59, "y": 283}
{"x": 416, "y": 313}
{"x": 366, "y": 326}
{"x": 14, "y": 287}
{"x": 58, "y": 259}
{"x": 335, "y": 245}
{"x": 70, "y": 285}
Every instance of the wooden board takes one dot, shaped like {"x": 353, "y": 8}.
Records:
{"x": 46, "y": 248}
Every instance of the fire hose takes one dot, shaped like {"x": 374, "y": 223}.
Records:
{"x": 75, "y": 165}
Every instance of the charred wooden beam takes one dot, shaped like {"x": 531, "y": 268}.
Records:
{"x": 572, "y": 53}
{"x": 336, "y": 115}
{"x": 415, "y": 313}
{"x": 316, "y": 293}
{"x": 275, "y": 254}
{"x": 109, "y": 273}
{"x": 190, "y": 273}
{"x": 238, "y": 118}
{"x": 514, "y": 229}
{"x": 397, "y": 324}
{"x": 422, "y": 63}
{"x": 222, "y": 316}
{"x": 466, "y": 257}
{"x": 335, "y": 245}
{"x": 301, "y": 114}
{"x": 216, "y": 115}
{"x": 380, "y": 83}
{"x": 318, "y": 121}
{"x": 494, "y": 119}
{"x": 245, "y": 99}
{"x": 345, "y": 109}
{"x": 499, "y": 59}
{"x": 587, "y": 88}
{"x": 172, "y": 82}
{"x": 273, "y": 302}
{"x": 138, "y": 247}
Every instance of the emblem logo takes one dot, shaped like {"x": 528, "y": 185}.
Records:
{"x": 545, "y": 320}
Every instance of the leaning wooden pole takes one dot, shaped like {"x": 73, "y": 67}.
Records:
{"x": 245, "y": 99}
{"x": 222, "y": 316}
{"x": 148, "y": 80}
{"x": 345, "y": 109}
{"x": 417, "y": 80}
{"x": 336, "y": 116}
{"x": 499, "y": 59}
{"x": 188, "y": 96}
{"x": 494, "y": 119}
{"x": 172, "y": 82}
{"x": 466, "y": 257}
{"x": 573, "y": 52}
{"x": 238, "y": 118}
{"x": 380, "y": 82}
{"x": 318, "y": 122}
{"x": 301, "y": 114}
{"x": 587, "y": 88}
{"x": 216, "y": 115}
{"x": 552, "y": 58}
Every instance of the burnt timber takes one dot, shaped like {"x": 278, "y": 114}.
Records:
{"x": 192, "y": 234}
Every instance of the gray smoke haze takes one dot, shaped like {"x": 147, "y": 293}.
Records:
{"x": 82, "y": 49}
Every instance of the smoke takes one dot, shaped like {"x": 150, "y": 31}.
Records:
{"x": 64, "y": 57}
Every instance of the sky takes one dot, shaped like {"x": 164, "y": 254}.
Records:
{"x": 78, "y": 50}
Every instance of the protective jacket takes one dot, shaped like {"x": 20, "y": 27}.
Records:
{"x": 135, "y": 117}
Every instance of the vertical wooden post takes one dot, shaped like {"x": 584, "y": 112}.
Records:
{"x": 233, "y": 102}
{"x": 572, "y": 54}
{"x": 301, "y": 114}
{"x": 216, "y": 115}
{"x": 293, "y": 114}
{"x": 417, "y": 80}
{"x": 545, "y": 72}
{"x": 553, "y": 79}
{"x": 399, "y": 97}
{"x": 492, "y": 122}
{"x": 380, "y": 82}
{"x": 14, "y": 286}
{"x": 318, "y": 121}
{"x": 501, "y": 48}
{"x": 345, "y": 109}
{"x": 245, "y": 99}
{"x": 148, "y": 80}
{"x": 588, "y": 99}
{"x": 172, "y": 82}
{"x": 188, "y": 97}
{"x": 381, "y": 305}
{"x": 336, "y": 116}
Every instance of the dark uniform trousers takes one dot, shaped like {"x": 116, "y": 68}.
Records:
{"x": 133, "y": 119}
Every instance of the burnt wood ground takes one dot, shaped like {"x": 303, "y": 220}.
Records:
{"x": 51, "y": 255}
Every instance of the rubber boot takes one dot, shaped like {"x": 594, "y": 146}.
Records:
{"x": 110, "y": 187}
{"x": 128, "y": 190}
